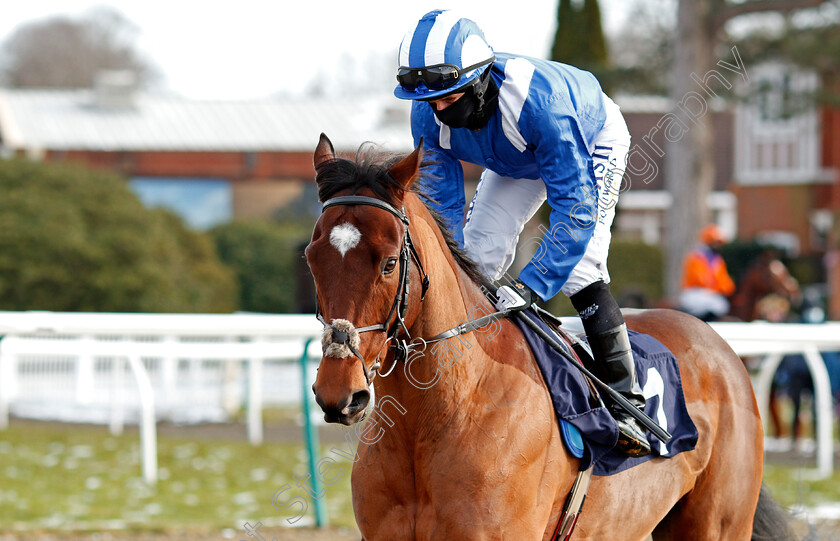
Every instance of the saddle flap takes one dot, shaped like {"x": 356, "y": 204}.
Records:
{"x": 659, "y": 376}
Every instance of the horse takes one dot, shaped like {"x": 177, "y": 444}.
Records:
{"x": 765, "y": 279}
{"x": 463, "y": 442}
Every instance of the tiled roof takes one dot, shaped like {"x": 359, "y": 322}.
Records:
{"x": 72, "y": 120}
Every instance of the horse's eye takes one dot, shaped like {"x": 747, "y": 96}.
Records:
{"x": 389, "y": 265}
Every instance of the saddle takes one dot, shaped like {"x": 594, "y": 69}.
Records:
{"x": 589, "y": 430}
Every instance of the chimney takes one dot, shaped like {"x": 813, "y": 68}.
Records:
{"x": 115, "y": 89}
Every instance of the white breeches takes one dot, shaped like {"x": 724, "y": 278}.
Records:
{"x": 502, "y": 206}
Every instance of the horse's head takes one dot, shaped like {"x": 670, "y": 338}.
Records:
{"x": 360, "y": 258}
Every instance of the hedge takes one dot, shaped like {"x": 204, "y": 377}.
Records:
{"x": 75, "y": 239}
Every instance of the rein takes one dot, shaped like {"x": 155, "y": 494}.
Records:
{"x": 402, "y": 347}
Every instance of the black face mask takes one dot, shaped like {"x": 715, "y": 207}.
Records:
{"x": 458, "y": 113}
{"x": 474, "y": 109}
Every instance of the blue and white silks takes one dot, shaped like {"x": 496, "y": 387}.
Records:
{"x": 547, "y": 119}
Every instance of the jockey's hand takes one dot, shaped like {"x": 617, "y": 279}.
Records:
{"x": 515, "y": 297}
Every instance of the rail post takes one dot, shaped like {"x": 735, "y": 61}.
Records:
{"x": 148, "y": 433}
{"x": 255, "y": 400}
{"x": 8, "y": 380}
{"x": 310, "y": 433}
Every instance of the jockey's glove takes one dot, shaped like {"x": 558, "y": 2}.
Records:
{"x": 515, "y": 297}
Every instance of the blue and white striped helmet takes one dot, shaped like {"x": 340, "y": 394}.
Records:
{"x": 442, "y": 37}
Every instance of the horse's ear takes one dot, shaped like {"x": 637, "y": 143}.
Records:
{"x": 324, "y": 152}
{"x": 405, "y": 171}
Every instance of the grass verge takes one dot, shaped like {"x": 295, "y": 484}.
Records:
{"x": 83, "y": 478}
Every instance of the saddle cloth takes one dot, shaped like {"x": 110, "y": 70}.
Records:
{"x": 659, "y": 377}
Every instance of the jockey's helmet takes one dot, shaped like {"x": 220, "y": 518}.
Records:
{"x": 442, "y": 54}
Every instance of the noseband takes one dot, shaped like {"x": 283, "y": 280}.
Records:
{"x": 400, "y": 305}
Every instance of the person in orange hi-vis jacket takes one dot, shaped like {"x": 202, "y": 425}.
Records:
{"x": 706, "y": 283}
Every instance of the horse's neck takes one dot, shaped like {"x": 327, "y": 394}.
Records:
{"x": 443, "y": 375}
{"x": 453, "y": 297}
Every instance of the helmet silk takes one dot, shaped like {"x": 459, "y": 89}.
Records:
{"x": 443, "y": 37}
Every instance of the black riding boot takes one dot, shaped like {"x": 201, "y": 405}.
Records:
{"x": 612, "y": 348}
{"x": 607, "y": 335}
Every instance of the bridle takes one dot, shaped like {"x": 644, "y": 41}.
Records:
{"x": 400, "y": 305}
{"x": 402, "y": 346}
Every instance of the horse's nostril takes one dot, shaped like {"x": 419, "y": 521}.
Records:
{"x": 360, "y": 400}
{"x": 346, "y": 410}
{"x": 313, "y": 390}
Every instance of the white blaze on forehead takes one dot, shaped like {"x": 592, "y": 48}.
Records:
{"x": 344, "y": 236}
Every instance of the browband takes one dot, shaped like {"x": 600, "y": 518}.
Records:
{"x": 364, "y": 200}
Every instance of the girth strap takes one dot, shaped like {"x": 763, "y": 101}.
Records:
{"x": 573, "y": 507}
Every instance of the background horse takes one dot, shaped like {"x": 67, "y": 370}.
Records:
{"x": 463, "y": 442}
{"x": 766, "y": 277}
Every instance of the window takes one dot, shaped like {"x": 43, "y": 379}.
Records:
{"x": 202, "y": 203}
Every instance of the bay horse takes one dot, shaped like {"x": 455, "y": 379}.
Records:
{"x": 766, "y": 276}
{"x": 467, "y": 446}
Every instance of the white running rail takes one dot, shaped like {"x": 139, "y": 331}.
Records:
{"x": 773, "y": 341}
{"x": 178, "y": 362}
{"x": 168, "y": 354}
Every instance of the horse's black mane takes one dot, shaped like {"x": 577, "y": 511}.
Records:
{"x": 370, "y": 170}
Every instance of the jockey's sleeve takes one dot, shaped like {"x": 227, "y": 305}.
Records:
{"x": 565, "y": 167}
{"x": 442, "y": 179}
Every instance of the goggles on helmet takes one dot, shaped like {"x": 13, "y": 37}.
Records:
{"x": 437, "y": 77}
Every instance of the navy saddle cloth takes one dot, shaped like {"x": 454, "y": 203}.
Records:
{"x": 659, "y": 377}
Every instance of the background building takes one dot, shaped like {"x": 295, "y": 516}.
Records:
{"x": 209, "y": 161}
{"x": 777, "y": 156}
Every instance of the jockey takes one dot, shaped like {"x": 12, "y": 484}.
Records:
{"x": 541, "y": 130}
{"x": 706, "y": 283}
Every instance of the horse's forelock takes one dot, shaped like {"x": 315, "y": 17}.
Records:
{"x": 369, "y": 170}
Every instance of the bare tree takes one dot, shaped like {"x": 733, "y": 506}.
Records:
{"x": 60, "y": 51}
{"x": 375, "y": 74}
{"x": 641, "y": 53}
{"x": 689, "y": 159}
